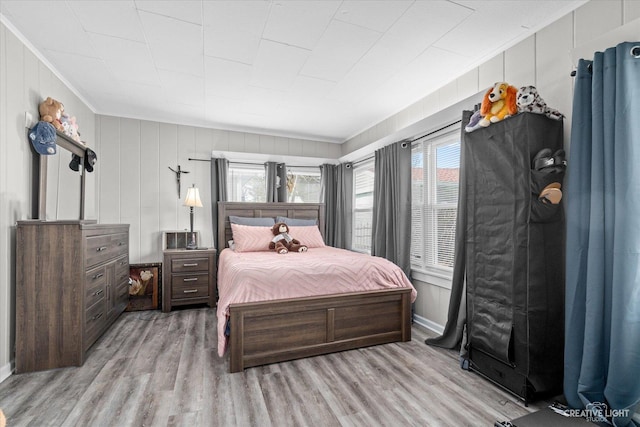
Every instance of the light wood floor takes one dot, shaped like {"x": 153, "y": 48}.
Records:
{"x": 155, "y": 369}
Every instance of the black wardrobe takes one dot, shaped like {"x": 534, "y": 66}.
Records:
{"x": 514, "y": 255}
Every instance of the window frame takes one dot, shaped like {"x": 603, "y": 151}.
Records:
{"x": 422, "y": 271}
{"x": 305, "y": 171}
{"x": 239, "y": 166}
{"x": 364, "y": 164}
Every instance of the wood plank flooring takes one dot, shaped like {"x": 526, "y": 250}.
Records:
{"x": 162, "y": 369}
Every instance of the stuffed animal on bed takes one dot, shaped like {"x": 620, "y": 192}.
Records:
{"x": 283, "y": 242}
{"x": 498, "y": 103}
{"x": 529, "y": 100}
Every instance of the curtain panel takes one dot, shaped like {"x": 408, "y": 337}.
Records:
{"x": 391, "y": 227}
{"x": 219, "y": 173}
{"x": 602, "y": 300}
{"x": 276, "y": 178}
{"x": 336, "y": 193}
{"x": 453, "y": 335}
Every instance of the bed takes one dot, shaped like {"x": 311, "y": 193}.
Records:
{"x": 267, "y": 324}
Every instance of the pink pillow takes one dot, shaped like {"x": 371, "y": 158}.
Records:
{"x": 308, "y": 235}
{"x": 249, "y": 238}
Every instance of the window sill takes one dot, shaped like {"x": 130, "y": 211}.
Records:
{"x": 442, "y": 280}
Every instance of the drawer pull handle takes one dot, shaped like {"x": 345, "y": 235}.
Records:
{"x": 120, "y": 243}
{"x": 101, "y": 248}
{"x": 97, "y": 276}
{"x": 98, "y": 292}
{"x": 195, "y": 264}
{"x": 97, "y": 316}
{"x": 190, "y": 291}
{"x": 190, "y": 279}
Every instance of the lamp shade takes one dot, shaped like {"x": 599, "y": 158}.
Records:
{"x": 193, "y": 198}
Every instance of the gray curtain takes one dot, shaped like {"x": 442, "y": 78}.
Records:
{"x": 453, "y": 334}
{"x": 336, "y": 193}
{"x": 391, "y": 228}
{"x": 602, "y": 299}
{"x": 219, "y": 173}
{"x": 276, "y": 180}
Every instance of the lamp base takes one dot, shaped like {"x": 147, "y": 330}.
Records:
{"x": 192, "y": 242}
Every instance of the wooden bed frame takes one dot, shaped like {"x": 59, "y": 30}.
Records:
{"x": 276, "y": 331}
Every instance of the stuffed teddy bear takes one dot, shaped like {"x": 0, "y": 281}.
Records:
{"x": 529, "y": 100}
{"x": 51, "y": 111}
{"x": 498, "y": 103}
{"x": 283, "y": 242}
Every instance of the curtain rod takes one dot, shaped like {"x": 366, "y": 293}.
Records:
{"x": 409, "y": 141}
{"x": 257, "y": 163}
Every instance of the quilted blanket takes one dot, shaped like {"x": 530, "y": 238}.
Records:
{"x": 263, "y": 276}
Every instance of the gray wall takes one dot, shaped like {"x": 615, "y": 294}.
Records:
{"x": 544, "y": 60}
{"x": 136, "y": 187}
{"x": 24, "y": 82}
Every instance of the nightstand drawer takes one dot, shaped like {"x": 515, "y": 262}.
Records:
{"x": 190, "y": 285}
{"x": 184, "y": 265}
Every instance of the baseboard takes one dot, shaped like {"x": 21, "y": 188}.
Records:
{"x": 6, "y": 371}
{"x": 429, "y": 324}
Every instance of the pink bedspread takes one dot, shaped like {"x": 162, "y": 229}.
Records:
{"x": 261, "y": 276}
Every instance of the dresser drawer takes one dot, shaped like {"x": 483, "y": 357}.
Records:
{"x": 190, "y": 285}
{"x": 95, "y": 318}
{"x": 122, "y": 269}
{"x": 185, "y": 265}
{"x": 104, "y": 247}
{"x": 95, "y": 282}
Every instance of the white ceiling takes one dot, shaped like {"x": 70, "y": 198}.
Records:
{"x": 323, "y": 70}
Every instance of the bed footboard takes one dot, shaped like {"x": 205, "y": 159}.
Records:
{"x": 276, "y": 331}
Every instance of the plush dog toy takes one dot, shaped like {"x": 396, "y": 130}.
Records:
{"x": 529, "y": 100}
{"x": 498, "y": 103}
{"x": 283, "y": 242}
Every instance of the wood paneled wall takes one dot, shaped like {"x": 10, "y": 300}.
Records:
{"x": 136, "y": 187}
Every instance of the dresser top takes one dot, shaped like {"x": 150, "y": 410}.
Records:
{"x": 83, "y": 223}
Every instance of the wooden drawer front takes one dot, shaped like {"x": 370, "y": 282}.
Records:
{"x": 95, "y": 283}
{"x": 104, "y": 247}
{"x": 184, "y": 265}
{"x": 190, "y": 285}
{"x": 95, "y": 318}
{"x": 122, "y": 269}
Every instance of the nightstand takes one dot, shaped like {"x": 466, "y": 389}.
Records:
{"x": 189, "y": 277}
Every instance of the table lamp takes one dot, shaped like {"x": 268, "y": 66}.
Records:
{"x": 192, "y": 200}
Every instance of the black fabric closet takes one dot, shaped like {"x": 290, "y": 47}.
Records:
{"x": 510, "y": 250}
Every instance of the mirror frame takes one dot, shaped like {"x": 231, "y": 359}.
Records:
{"x": 40, "y": 168}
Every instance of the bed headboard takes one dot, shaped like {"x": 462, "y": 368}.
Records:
{"x": 264, "y": 210}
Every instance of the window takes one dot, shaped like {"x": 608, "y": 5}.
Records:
{"x": 435, "y": 171}
{"x": 362, "y": 206}
{"x": 303, "y": 185}
{"x": 247, "y": 183}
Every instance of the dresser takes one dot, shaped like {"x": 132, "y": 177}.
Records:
{"x": 71, "y": 285}
{"x": 189, "y": 277}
